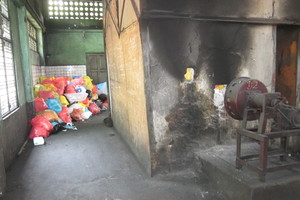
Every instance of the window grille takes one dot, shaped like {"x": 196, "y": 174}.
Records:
{"x": 32, "y": 32}
{"x": 75, "y": 9}
{"x": 8, "y": 89}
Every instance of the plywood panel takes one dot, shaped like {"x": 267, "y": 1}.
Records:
{"x": 129, "y": 15}
{"x": 125, "y": 64}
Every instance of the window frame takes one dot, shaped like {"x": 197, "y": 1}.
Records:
{"x": 75, "y": 9}
{"x": 4, "y": 114}
{"x": 31, "y": 37}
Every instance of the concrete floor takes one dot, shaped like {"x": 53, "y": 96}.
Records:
{"x": 93, "y": 163}
{"x": 219, "y": 164}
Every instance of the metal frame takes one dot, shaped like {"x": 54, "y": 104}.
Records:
{"x": 263, "y": 138}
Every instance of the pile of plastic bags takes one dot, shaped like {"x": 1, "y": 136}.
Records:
{"x": 61, "y": 100}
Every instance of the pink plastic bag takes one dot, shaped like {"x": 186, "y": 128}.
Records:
{"x": 94, "y": 108}
{"x": 78, "y": 81}
{"x": 40, "y": 104}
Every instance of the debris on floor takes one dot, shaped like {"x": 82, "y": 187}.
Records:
{"x": 59, "y": 101}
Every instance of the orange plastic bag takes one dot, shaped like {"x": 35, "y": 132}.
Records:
{"x": 50, "y": 115}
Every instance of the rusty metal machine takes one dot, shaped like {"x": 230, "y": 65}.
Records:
{"x": 247, "y": 100}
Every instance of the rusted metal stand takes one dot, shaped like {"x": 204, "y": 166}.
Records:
{"x": 263, "y": 139}
{"x": 248, "y": 99}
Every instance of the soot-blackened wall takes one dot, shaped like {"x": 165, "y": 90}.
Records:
{"x": 183, "y": 113}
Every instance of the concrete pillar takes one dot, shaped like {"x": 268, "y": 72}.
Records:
{"x": 25, "y": 54}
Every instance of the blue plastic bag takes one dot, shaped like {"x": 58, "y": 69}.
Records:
{"x": 54, "y": 104}
{"x": 102, "y": 88}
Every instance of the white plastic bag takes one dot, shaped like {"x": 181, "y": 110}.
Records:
{"x": 86, "y": 115}
{"x": 75, "y": 106}
{"x": 76, "y": 97}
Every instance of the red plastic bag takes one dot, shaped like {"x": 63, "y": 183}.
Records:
{"x": 60, "y": 82}
{"x": 47, "y": 81}
{"x": 70, "y": 89}
{"x": 40, "y": 104}
{"x": 64, "y": 115}
{"x": 95, "y": 89}
{"x": 41, "y": 122}
{"x": 76, "y": 114}
{"x": 41, "y": 127}
{"x": 86, "y": 101}
{"x": 38, "y": 132}
{"x": 46, "y": 95}
{"x": 104, "y": 105}
{"x": 94, "y": 108}
{"x": 60, "y": 90}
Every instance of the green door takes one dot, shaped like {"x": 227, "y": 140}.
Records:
{"x": 96, "y": 67}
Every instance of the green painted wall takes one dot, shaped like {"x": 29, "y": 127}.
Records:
{"x": 68, "y": 47}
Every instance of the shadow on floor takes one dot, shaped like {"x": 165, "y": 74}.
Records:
{"x": 92, "y": 163}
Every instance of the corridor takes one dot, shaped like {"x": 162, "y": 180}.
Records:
{"x": 92, "y": 163}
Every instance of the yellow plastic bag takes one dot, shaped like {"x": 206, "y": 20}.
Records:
{"x": 94, "y": 97}
{"x": 88, "y": 82}
{"x": 56, "y": 95}
{"x": 36, "y": 90}
{"x": 189, "y": 76}
{"x": 50, "y": 87}
{"x": 83, "y": 106}
{"x": 63, "y": 100}
{"x": 42, "y": 78}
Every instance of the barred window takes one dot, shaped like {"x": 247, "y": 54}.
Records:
{"x": 8, "y": 89}
{"x": 75, "y": 9}
{"x": 32, "y": 32}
